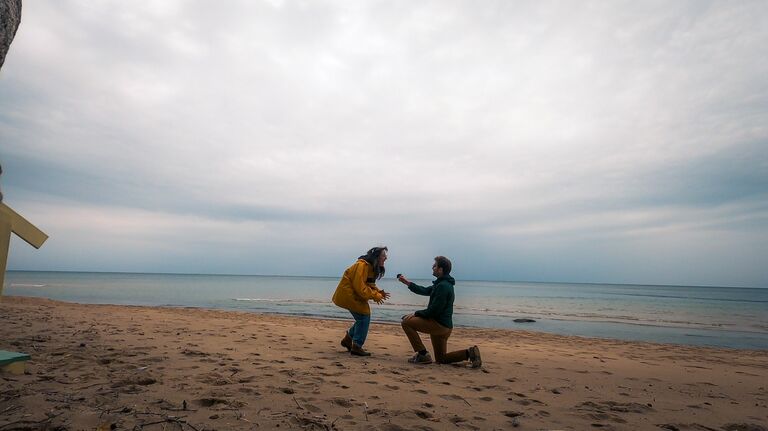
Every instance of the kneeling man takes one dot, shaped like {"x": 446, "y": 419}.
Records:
{"x": 436, "y": 320}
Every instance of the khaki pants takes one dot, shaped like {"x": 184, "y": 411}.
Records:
{"x": 439, "y": 334}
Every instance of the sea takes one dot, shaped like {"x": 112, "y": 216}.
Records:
{"x": 730, "y": 317}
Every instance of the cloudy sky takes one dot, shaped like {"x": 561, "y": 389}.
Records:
{"x": 608, "y": 141}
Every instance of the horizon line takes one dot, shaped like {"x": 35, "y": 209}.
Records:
{"x": 328, "y": 276}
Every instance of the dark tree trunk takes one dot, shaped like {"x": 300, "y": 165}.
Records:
{"x": 10, "y": 17}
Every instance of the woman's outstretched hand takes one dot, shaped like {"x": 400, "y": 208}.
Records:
{"x": 384, "y": 297}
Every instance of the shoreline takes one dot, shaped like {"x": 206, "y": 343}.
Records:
{"x": 125, "y": 366}
{"x": 607, "y": 329}
{"x": 507, "y": 331}
{"x": 619, "y": 312}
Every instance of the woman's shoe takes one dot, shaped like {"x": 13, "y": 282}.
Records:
{"x": 347, "y": 342}
{"x": 358, "y": 351}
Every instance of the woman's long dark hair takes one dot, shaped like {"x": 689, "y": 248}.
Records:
{"x": 372, "y": 257}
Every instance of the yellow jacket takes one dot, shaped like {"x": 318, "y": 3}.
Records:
{"x": 357, "y": 287}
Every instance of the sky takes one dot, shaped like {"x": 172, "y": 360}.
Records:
{"x": 595, "y": 142}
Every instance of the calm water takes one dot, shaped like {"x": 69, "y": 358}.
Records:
{"x": 714, "y": 316}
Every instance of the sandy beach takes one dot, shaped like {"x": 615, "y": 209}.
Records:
{"x": 124, "y": 367}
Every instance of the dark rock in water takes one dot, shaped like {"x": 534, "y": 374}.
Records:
{"x": 10, "y": 16}
{"x": 523, "y": 320}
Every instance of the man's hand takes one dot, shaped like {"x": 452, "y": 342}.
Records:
{"x": 403, "y": 280}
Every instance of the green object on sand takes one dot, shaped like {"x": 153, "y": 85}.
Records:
{"x": 7, "y": 357}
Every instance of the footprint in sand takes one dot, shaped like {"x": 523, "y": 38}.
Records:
{"x": 210, "y": 402}
{"x": 343, "y": 402}
{"x": 462, "y": 422}
{"x": 190, "y": 352}
{"x": 423, "y": 414}
{"x": 451, "y": 397}
{"x": 214, "y": 379}
{"x": 605, "y": 410}
{"x": 528, "y": 402}
{"x": 421, "y": 391}
{"x": 393, "y": 387}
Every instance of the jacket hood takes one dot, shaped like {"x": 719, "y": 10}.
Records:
{"x": 447, "y": 278}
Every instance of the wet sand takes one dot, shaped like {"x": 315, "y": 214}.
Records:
{"x": 124, "y": 367}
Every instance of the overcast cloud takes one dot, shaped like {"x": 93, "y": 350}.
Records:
{"x": 547, "y": 141}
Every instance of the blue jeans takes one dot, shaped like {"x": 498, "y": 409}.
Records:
{"x": 359, "y": 331}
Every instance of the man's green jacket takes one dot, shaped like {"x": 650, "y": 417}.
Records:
{"x": 440, "y": 307}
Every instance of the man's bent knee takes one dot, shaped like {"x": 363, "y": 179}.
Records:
{"x": 406, "y": 320}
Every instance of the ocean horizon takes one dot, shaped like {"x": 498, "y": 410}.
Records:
{"x": 731, "y": 317}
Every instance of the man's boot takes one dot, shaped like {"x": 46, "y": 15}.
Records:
{"x": 474, "y": 357}
{"x": 358, "y": 351}
{"x": 347, "y": 342}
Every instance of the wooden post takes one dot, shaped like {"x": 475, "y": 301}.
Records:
{"x": 5, "y": 244}
{"x": 10, "y": 221}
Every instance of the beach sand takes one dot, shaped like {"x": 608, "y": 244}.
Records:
{"x": 125, "y": 367}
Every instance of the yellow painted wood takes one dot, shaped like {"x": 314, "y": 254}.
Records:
{"x": 16, "y": 368}
{"x": 10, "y": 221}
{"x": 5, "y": 242}
{"x": 13, "y": 362}
{"x": 21, "y": 227}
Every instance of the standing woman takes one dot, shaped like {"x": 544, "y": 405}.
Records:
{"x": 356, "y": 288}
